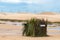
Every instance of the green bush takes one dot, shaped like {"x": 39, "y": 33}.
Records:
{"x": 32, "y": 28}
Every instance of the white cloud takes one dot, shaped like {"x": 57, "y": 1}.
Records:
{"x": 10, "y": 1}
{"x": 38, "y": 1}
{"x": 16, "y": 1}
{"x": 27, "y": 1}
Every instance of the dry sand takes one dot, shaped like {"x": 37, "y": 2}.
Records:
{"x": 29, "y": 38}
{"x": 53, "y": 17}
{"x": 20, "y": 37}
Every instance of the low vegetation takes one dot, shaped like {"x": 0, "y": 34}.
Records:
{"x": 32, "y": 28}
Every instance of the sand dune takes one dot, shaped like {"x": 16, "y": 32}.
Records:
{"x": 53, "y": 17}
{"x": 48, "y": 13}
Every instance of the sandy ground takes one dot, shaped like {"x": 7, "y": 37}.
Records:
{"x": 11, "y": 32}
{"x": 25, "y": 16}
{"x": 29, "y": 38}
{"x": 13, "y": 36}
{"x": 51, "y": 37}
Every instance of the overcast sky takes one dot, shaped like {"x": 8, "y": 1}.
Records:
{"x": 42, "y": 5}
